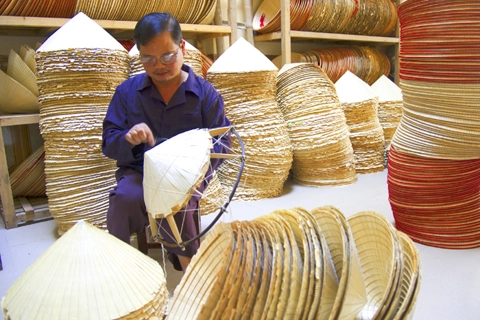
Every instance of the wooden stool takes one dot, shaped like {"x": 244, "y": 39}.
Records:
{"x": 144, "y": 243}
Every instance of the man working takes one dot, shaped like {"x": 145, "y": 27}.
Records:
{"x": 166, "y": 100}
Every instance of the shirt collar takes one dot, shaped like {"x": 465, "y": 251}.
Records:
{"x": 190, "y": 85}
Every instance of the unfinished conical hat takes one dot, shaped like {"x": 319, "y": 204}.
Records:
{"x": 19, "y": 70}
{"x": 351, "y": 88}
{"x": 88, "y": 274}
{"x": 80, "y": 32}
{"x": 242, "y": 56}
{"x": 387, "y": 90}
{"x": 173, "y": 169}
{"x": 15, "y": 97}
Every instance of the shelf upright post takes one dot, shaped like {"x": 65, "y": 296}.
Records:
{"x": 232, "y": 11}
{"x": 285, "y": 30}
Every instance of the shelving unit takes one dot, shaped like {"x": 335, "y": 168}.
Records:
{"x": 37, "y": 26}
{"x": 287, "y": 36}
{"x": 20, "y": 210}
{"x": 15, "y": 211}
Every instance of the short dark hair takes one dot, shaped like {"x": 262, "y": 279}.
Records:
{"x": 153, "y": 24}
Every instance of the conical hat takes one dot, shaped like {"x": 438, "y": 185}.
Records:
{"x": 28, "y": 56}
{"x": 134, "y": 51}
{"x": 87, "y": 274}
{"x": 15, "y": 97}
{"x": 351, "y": 88}
{"x": 78, "y": 33}
{"x": 19, "y": 70}
{"x": 190, "y": 47}
{"x": 242, "y": 56}
{"x": 173, "y": 169}
{"x": 387, "y": 90}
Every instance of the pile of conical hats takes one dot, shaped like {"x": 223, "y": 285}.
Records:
{"x": 247, "y": 79}
{"x": 434, "y": 177}
{"x": 376, "y": 17}
{"x": 88, "y": 274}
{"x": 28, "y": 178}
{"x": 18, "y": 85}
{"x": 192, "y": 58}
{"x": 34, "y": 8}
{"x": 390, "y": 106}
{"x": 194, "y": 12}
{"x": 322, "y": 151}
{"x": 368, "y": 63}
{"x": 435, "y": 201}
{"x": 296, "y": 263}
{"x": 360, "y": 104}
{"x": 77, "y": 76}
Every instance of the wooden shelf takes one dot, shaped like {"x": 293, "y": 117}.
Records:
{"x": 37, "y": 26}
{"x": 308, "y": 35}
{"x": 15, "y": 211}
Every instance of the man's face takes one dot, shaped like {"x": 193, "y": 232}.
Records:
{"x": 162, "y": 59}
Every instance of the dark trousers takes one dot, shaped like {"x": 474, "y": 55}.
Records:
{"x": 127, "y": 214}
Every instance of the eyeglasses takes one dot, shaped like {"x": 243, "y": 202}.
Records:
{"x": 167, "y": 58}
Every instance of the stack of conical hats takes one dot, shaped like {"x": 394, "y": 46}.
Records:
{"x": 28, "y": 178}
{"x": 433, "y": 181}
{"x": 390, "y": 105}
{"x": 18, "y": 86}
{"x": 375, "y": 17}
{"x": 368, "y": 63}
{"x": 77, "y": 76}
{"x": 195, "y": 12}
{"x": 46, "y": 8}
{"x": 360, "y": 104}
{"x": 213, "y": 197}
{"x": 301, "y": 264}
{"x": 192, "y": 58}
{"x": 88, "y": 274}
{"x": 136, "y": 66}
{"x": 247, "y": 79}
{"x": 322, "y": 151}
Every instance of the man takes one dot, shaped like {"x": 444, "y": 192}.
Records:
{"x": 166, "y": 100}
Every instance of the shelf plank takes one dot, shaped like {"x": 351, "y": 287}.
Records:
{"x": 14, "y": 25}
{"x": 18, "y": 119}
{"x": 308, "y": 35}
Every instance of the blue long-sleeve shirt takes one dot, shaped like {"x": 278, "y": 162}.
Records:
{"x": 195, "y": 104}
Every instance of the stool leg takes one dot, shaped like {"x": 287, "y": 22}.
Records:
{"x": 142, "y": 241}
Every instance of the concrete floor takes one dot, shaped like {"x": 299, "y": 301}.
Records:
{"x": 450, "y": 287}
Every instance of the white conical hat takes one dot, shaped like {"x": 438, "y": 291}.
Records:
{"x": 190, "y": 47}
{"x": 387, "y": 90}
{"x": 134, "y": 51}
{"x": 87, "y": 274}
{"x": 80, "y": 32}
{"x": 242, "y": 56}
{"x": 173, "y": 169}
{"x": 351, "y": 88}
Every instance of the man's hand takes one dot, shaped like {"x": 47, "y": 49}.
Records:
{"x": 140, "y": 133}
